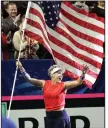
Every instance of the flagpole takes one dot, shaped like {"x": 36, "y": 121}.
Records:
{"x": 24, "y": 26}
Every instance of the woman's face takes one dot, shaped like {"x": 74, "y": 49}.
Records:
{"x": 57, "y": 76}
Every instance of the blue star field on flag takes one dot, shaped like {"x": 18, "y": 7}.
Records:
{"x": 51, "y": 11}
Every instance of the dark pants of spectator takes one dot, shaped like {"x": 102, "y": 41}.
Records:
{"x": 57, "y": 119}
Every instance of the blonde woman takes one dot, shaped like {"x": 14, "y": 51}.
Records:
{"x": 54, "y": 92}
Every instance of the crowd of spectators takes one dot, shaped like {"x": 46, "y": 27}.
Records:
{"x": 11, "y": 29}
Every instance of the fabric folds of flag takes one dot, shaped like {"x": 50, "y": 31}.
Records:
{"x": 72, "y": 36}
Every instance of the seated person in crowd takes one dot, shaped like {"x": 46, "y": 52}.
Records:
{"x": 28, "y": 46}
{"x": 17, "y": 40}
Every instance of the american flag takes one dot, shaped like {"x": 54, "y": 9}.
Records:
{"x": 73, "y": 37}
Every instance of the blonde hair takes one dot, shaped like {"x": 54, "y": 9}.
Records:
{"x": 51, "y": 68}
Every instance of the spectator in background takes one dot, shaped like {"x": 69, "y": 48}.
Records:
{"x": 7, "y": 123}
{"x": 5, "y": 41}
{"x": 81, "y": 5}
{"x": 100, "y": 9}
{"x": 21, "y": 6}
{"x": 97, "y": 7}
{"x": 4, "y": 7}
{"x": 17, "y": 40}
{"x": 10, "y": 24}
{"x": 32, "y": 48}
{"x": 28, "y": 47}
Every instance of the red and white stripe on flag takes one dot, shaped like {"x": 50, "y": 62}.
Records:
{"x": 76, "y": 40}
